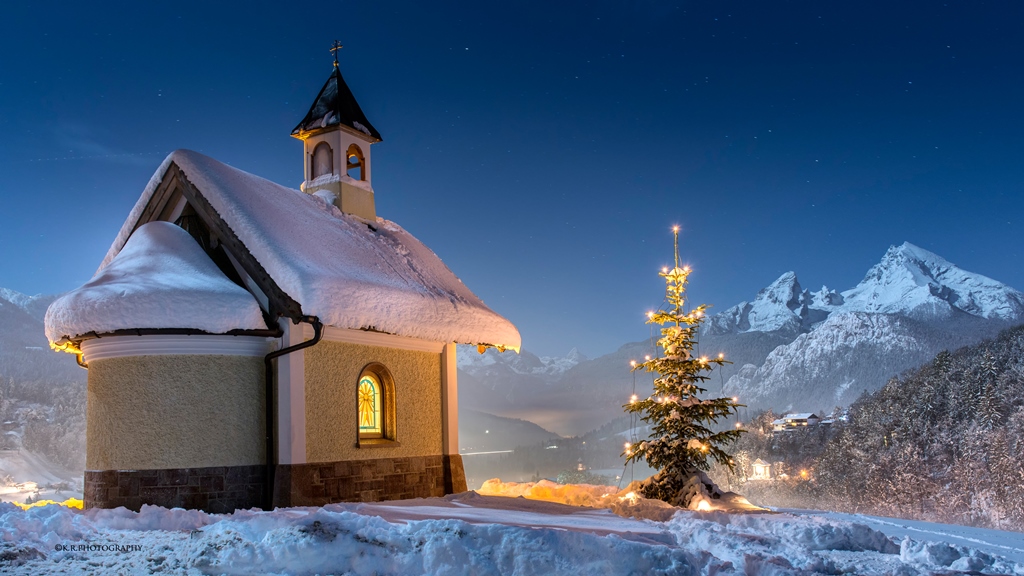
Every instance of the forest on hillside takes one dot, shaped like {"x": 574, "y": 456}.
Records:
{"x": 941, "y": 443}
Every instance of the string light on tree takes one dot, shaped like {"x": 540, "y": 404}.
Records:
{"x": 682, "y": 442}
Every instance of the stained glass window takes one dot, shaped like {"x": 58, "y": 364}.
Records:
{"x": 370, "y": 407}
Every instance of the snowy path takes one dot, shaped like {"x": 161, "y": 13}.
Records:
{"x": 998, "y": 542}
{"x": 476, "y": 509}
{"x": 30, "y": 473}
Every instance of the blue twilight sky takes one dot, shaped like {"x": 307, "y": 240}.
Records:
{"x": 544, "y": 149}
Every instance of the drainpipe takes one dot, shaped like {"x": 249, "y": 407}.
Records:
{"x": 318, "y": 332}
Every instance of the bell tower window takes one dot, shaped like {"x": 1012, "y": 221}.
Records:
{"x": 323, "y": 160}
{"x": 355, "y": 163}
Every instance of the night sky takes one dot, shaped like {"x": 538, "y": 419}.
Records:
{"x": 544, "y": 149}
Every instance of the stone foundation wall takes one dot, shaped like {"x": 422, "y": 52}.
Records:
{"x": 368, "y": 480}
{"x": 218, "y": 489}
{"x": 223, "y": 489}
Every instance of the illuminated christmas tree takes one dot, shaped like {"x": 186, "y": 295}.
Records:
{"x": 682, "y": 441}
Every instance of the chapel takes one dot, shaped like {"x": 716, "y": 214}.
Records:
{"x": 253, "y": 345}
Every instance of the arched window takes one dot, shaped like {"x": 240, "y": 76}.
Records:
{"x": 375, "y": 405}
{"x": 323, "y": 160}
{"x": 355, "y": 165}
{"x": 370, "y": 397}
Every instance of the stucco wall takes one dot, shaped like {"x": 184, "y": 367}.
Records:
{"x": 332, "y": 372}
{"x": 153, "y": 412}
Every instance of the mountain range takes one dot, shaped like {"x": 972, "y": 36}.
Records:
{"x": 791, "y": 349}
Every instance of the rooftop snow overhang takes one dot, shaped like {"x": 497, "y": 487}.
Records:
{"x": 160, "y": 282}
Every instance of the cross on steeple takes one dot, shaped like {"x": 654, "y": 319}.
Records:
{"x": 334, "y": 50}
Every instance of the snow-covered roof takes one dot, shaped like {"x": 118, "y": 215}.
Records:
{"x": 759, "y": 462}
{"x": 160, "y": 279}
{"x": 800, "y": 416}
{"x": 348, "y": 272}
{"x": 336, "y": 105}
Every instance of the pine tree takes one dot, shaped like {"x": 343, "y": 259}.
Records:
{"x": 682, "y": 439}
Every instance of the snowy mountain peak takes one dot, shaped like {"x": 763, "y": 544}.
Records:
{"x": 782, "y": 306}
{"x": 824, "y": 299}
{"x": 785, "y": 291}
{"x": 917, "y": 253}
{"x": 34, "y": 306}
{"x": 574, "y": 356}
{"x": 914, "y": 281}
{"x": 523, "y": 363}
{"x": 17, "y": 298}
{"x": 908, "y": 261}
{"x": 908, "y": 280}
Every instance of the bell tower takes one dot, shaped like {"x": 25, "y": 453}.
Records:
{"x": 336, "y": 139}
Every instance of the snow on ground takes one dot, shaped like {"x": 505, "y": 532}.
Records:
{"x": 470, "y": 533}
{"x": 995, "y": 542}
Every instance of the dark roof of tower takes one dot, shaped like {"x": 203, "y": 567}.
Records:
{"x": 335, "y": 105}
